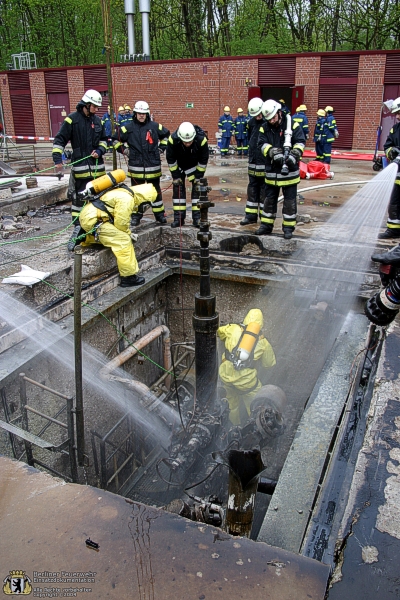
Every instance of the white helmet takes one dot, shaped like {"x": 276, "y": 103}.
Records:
{"x": 270, "y": 108}
{"x": 141, "y": 107}
{"x": 396, "y": 105}
{"x": 92, "y": 97}
{"x": 255, "y": 106}
{"x": 186, "y": 132}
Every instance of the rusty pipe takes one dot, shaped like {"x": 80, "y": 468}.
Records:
{"x": 130, "y": 351}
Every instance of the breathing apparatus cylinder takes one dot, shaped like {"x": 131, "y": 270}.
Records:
{"x": 247, "y": 343}
{"x": 106, "y": 181}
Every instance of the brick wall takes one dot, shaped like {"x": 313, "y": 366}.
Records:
{"x": 307, "y": 74}
{"x": 367, "y": 116}
{"x": 167, "y": 87}
{"x": 6, "y": 103}
{"x": 209, "y": 85}
{"x": 76, "y": 87}
{"x": 39, "y": 103}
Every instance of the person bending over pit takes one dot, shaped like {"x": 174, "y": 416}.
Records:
{"x": 111, "y": 223}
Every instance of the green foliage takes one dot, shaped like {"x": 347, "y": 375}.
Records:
{"x": 71, "y": 32}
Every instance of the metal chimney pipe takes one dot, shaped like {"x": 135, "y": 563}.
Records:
{"x": 130, "y": 23}
{"x": 144, "y": 8}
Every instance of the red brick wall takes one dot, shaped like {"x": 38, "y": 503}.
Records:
{"x": 307, "y": 74}
{"x": 76, "y": 87}
{"x": 6, "y": 102}
{"x": 167, "y": 87}
{"x": 371, "y": 72}
{"x": 39, "y": 103}
{"x": 209, "y": 85}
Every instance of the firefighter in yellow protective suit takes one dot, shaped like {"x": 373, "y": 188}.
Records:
{"x": 246, "y": 350}
{"x": 111, "y": 226}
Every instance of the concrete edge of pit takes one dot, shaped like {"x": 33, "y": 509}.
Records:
{"x": 288, "y": 514}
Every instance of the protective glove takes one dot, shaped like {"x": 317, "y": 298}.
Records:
{"x": 177, "y": 182}
{"x": 134, "y": 237}
{"x": 296, "y": 153}
{"x": 336, "y": 133}
{"x": 126, "y": 152}
{"x": 393, "y": 153}
{"x": 291, "y": 161}
{"x": 276, "y": 156}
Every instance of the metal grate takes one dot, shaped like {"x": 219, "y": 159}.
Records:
{"x": 343, "y": 100}
{"x": 56, "y": 82}
{"x": 277, "y": 71}
{"x": 19, "y": 80}
{"x": 392, "y": 68}
{"x": 339, "y": 66}
{"x": 21, "y": 104}
{"x": 95, "y": 78}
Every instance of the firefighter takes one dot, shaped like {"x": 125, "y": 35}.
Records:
{"x": 121, "y": 114}
{"x": 285, "y": 109}
{"x": 84, "y": 129}
{"x": 145, "y": 139}
{"x": 128, "y": 114}
{"x": 330, "y": 133}
{"x": 244, "y": 358}
{"x": 106, "y": 121}
{"x": 226, "y": 128}
{"x": 319, "y": 134}
{"x": 110, "y": 218}
{"x": 281, "y": 170}
{"x": 392, "y": 151}
{"x": 256, "y": 167}
{"x": 301, "y": 118}
{"x": 240, "y": 131}
{"x": 187, "y": 156}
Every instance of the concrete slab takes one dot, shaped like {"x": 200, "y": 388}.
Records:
{"x": 143, "y": 552}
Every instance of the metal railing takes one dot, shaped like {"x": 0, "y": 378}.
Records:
{"x": 30, "y": 440}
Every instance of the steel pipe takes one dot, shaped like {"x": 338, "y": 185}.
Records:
{"x": 130, "y": 351}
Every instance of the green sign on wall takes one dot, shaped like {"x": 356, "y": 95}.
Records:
{"x": 189, "y": 104}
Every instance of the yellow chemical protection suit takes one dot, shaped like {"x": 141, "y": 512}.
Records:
{"x": 242, "y": 385}
{"x": 121, "y": 204}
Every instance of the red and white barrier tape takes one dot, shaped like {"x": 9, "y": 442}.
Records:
{"x": 28, "y": 137}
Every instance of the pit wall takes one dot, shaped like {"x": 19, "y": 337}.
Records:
{"x": 161, "y": 304}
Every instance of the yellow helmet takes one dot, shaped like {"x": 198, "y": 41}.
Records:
{"x": 121, "y": 108}
{"x": 302, "y": 107}
{"x": 127, "y": 107}
{"x": 321, "y": 112}
{"x": 227, "y": 109}
{"x": 329, "y": 109}
{"x": 298, "y": 109}
{"x": 281, "y": 100}
{"x": 240, "y": 110}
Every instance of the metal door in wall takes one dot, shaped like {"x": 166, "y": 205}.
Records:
{"x": 58, "y": 110}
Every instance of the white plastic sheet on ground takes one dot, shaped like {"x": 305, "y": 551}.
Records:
{"x": 26, "y": 276}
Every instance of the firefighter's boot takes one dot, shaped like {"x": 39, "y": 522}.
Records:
{"x": 131, "y": 281}
{"x": 388, "y": 258}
